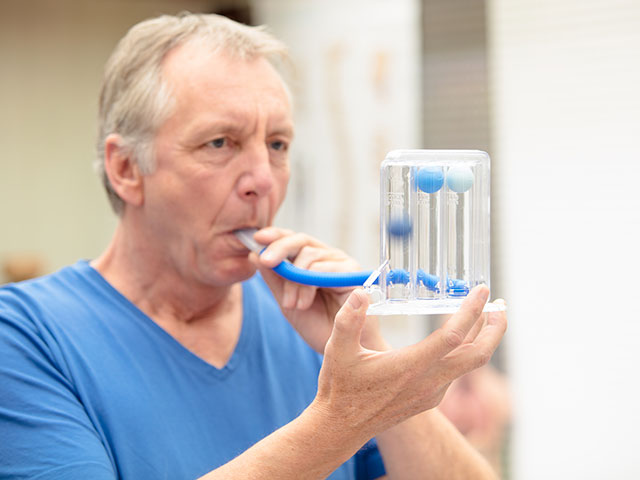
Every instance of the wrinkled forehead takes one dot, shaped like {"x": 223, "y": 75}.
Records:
{"x": 209, "y": 87}
{"x": 197, "y": 66}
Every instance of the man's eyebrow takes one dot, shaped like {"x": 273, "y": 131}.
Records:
{"x": 218, "y": 125}
{"x": 286, "y": 130}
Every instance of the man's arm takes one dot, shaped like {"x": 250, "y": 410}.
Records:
{"x": 429, "y": 446}
{"x": 310, "y": 447}
{"x": 363, "y": 393}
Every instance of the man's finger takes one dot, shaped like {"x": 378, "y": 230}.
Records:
{"x": 290, "y": 295}
{"x": 470, "y": 356}
{"x": 275, "y": 282}
{"x": 349, "y": 322}
{"x": 287, "y": 247}
{"x": 452, "y": 334}
{"x": 473, "y": 333}
{"x": 269, "y": 234}
{"x": 306, "y": 295}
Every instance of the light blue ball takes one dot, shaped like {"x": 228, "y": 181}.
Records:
{"x": 459, "y": 179}
{"x": 430, "y": 179}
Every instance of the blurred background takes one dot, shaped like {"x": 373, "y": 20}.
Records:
{"x": 549, "y": 88}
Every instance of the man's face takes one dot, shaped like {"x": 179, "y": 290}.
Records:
{"x": 221, "y": 162}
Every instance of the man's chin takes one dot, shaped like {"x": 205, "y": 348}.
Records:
{"x": 237, "y": 271}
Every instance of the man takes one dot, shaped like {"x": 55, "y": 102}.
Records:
{"x": 166, "y": 356}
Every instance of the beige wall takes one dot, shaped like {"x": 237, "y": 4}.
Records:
{"x": 51, "y": 59}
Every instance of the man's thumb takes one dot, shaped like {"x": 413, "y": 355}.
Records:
{"x": 349, "y": 321}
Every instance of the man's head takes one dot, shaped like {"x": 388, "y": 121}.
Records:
{"x": 135, "y": 99}
{"x": 195, "y": 130}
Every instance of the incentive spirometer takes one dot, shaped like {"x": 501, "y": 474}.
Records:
{"x": 434, "y": 235}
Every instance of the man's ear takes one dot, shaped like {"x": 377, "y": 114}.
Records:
{"x": 123, "y": 172}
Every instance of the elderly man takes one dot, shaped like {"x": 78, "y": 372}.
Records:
{"x": 168, "y": 356}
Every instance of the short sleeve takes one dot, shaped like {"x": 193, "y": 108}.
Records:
{"x": 369, "y": 464}
{"x": 46, "y": 432}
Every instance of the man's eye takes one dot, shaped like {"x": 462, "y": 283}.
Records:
{"x": 278, "y": 145}
{"x": 218, "y": 142}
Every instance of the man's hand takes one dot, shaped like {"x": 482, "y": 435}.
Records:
{"x": 371, "y": 391}
{"x": 311, "y": 310}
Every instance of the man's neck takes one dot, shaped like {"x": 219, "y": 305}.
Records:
{"x": 205, "y": 319}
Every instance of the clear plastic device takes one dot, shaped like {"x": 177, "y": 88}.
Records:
{"x": 434, "y": 231}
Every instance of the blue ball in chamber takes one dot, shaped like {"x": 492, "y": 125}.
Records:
{"x": 398, "y": 276}
{"x": 430, "y": 179}
{"x": 399, "y": 225}
{"x": 428, "y": 280}
{"x": 457, "y": 288}
{"x": 460, "y": 179}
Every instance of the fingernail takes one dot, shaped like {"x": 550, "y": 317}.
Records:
{"x": 484, "y": 291}
{"x": 354, "y": 300}
{"x": 266, "y": 256}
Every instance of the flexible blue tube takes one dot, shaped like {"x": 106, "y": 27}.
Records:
{"x": 321, "y": 279}
{"x": 345, "y": 279}
{"x": 330, "y": 279}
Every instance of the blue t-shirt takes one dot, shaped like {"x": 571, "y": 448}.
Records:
{"x": 91, "y": 387}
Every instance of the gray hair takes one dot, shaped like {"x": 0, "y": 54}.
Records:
{"x": 135, "y": 100}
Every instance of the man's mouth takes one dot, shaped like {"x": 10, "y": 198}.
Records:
{"x": 245, "y": 237}
{"x": 240, "y": 239}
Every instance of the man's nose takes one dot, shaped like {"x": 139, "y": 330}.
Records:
{"x": 256, "y": 180}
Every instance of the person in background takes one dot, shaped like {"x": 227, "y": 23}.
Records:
{"x": 479, "y": 405}
{"x": 22, "y": 266}
{"x": 177, "y": 353}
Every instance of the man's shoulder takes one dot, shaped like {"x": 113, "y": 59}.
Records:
{"x": 61, "y": 291}
{"x": 59, "y": 282}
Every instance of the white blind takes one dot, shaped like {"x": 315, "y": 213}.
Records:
{"x": 565, "y": 80}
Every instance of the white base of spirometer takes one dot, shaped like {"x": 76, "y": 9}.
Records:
{"x": 424, "y": 307}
